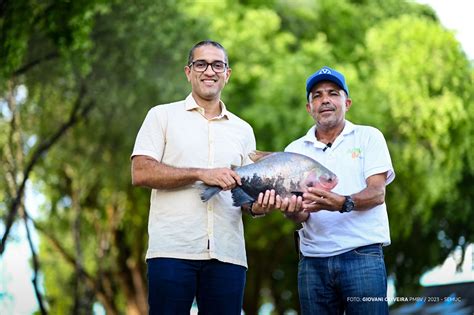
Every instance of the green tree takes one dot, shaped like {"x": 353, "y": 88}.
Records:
{"x": 139, "y": 57}
{"x": 422, "y": 82}
{"x": 93, "y": 222}
{"x": 34, "y": 35}
{"x": 91, "y": 70}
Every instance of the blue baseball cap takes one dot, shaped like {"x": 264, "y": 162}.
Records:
{"x": 326, "y": 74}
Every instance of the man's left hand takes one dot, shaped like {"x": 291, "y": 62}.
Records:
{"x": 315, "y": 199}
{"x": 264, "y": 203}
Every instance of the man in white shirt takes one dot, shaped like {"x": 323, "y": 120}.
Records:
{"x": 195, "y": 249}
{"x": 341, "y": 267}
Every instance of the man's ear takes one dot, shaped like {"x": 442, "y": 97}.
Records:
{"x": 309, "y": 108}
{"x": 187, "y": 72}
{"x": 348, "y": 104}
{"x": 227, "y": 76}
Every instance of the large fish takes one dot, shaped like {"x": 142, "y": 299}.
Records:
{"x": 285, "y": 172}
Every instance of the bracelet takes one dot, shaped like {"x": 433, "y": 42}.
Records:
{"x": 255, "y": 215}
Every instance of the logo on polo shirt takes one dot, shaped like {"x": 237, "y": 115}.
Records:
{"x": 355, "y": 153}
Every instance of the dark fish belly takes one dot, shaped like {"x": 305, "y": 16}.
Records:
{"x": 255, "y": 185}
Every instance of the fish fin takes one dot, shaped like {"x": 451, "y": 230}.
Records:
{"x": 240, "y": 197}
{"x": 234, "y": 167}
{"x": 209, "y": 192}
{"x": 256, "y": 155}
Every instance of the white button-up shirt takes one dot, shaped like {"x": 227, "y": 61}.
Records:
{"x": 180, "y": 224}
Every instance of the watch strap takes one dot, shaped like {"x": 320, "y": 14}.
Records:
{"x": 348, "y": 205}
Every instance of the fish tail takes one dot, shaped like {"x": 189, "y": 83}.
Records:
{"x": 240, "y": 197}
{"x": 209, "y": 192}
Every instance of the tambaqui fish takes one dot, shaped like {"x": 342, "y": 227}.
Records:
{"x": 285, "y": 172}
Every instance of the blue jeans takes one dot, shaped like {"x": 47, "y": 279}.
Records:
{"x": 173, "y": 284}
{"x": 354, "y": 282}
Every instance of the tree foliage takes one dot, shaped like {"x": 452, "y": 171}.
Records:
{"x": 426, "y": 90}
{"x": 77, "y": 78}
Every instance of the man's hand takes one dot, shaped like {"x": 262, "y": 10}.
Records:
{"x": 270, "y": 201}
{"x": 292, "y": 208}
{"x": 317, "y": 199}
{"x": 264, "y": 203}
{"x": 373, "y": 195}
{"x": 222, "y": 177}
{"x": 290, "y": 205}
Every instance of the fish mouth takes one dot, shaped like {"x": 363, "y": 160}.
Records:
{"x": 328, "y": 183}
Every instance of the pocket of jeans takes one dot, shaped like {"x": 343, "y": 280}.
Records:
{"x": 373, "y": 251}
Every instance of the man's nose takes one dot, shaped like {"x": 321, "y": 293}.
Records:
{"x": 325, "y": 98}
{"x": 209, "y": 70}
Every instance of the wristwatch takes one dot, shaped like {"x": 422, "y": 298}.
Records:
{"x": 348, "y": 205}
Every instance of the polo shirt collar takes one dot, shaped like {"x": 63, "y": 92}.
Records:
{"x": 348, "y": 128}
{"x": 190, "y": 104}
{"x": 311, "y": 134}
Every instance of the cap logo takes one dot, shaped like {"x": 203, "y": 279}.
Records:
{"x": 325, "y": 71}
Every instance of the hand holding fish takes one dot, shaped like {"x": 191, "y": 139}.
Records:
{"x": 264, "y": 203}
{"x": 290, "y": 206}
{"x": 270, "y": 201}
{"x": 317, "y": 199}
{"x": 224, "y": 178}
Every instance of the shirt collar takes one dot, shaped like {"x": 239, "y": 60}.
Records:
{"x": 190, "y": 104}
{"x": 311, "y": 134}
{"x": 348, "y": 128}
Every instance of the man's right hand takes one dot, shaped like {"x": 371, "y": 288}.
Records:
{"x": 290, "y": 205}
{"x": 292, "y": 208}
{"x": 222, "y": 177}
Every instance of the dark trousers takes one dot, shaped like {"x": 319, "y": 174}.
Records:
{"x": 174, "y": 283}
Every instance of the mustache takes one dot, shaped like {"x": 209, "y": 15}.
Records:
{"x": 209, "y": 77}
{"x": 325, "y": 108}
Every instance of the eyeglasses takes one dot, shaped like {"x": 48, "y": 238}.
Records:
{"x": 201, "y": 66}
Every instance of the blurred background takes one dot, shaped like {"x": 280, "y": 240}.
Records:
{"x": 77, "y": 78}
